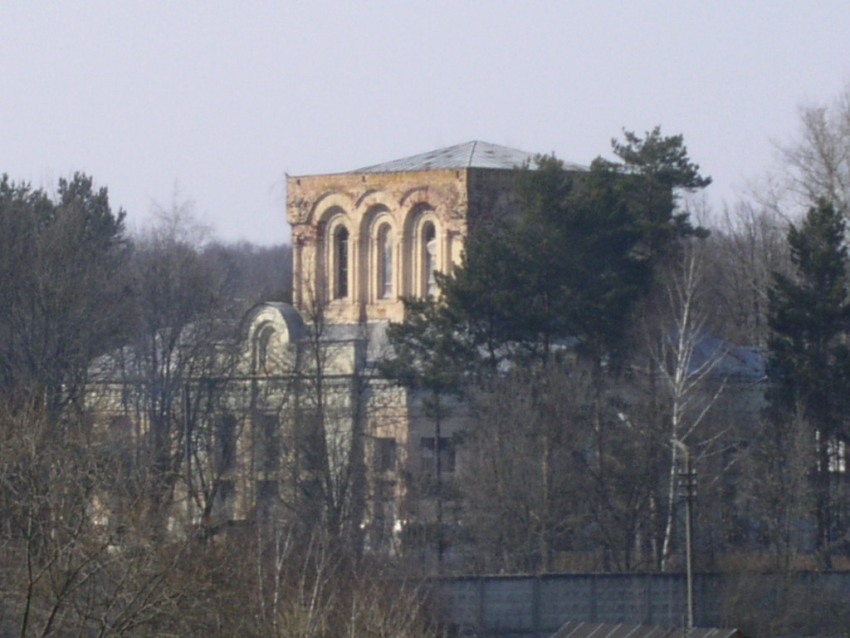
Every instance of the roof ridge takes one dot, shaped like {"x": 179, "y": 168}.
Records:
{"x": 471, "y": 153}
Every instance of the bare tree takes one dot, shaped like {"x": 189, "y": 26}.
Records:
{"x": 310, "y": 587}
{"x": 779, "y": 487}
{"x": 255, "y": 273}
{"x": 61, "y": 285}
{"x": 331, "y": 420}
{"x": 746, "y": 247}
{"x": 69, "y": 564}
{"x": 523, "y": 492}
{"x": 685, "y": 358}
{"x": 817, "y": 163}
{"x": 180, "y": 337}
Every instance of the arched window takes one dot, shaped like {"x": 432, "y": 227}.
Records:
{"x": 263, "y": 339}
{"x": 429, "y": 259}
{"x": 340, "y": 263}
{"x": 385, "y": 245}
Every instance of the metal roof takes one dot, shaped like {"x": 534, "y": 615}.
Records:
{"x": 578, "y": 629}
{"x": 469, "y": 155}
{"x": 726, "y": 361}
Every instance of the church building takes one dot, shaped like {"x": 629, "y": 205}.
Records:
{"x": 365, "y": 239}
{"x": 362, "y": 242}
{"x": 293, "y": 418}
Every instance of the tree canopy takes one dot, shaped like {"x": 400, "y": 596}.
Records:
{"x": 579, "y": 257}
{"x": 809, "y": 356}
{"x": 810, "y": 317}
{"x": 60, "y": 283}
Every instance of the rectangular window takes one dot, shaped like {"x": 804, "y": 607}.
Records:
{"x": 837, "y": 450}
{"x": 225, "y": 442}
{"x": 342, "y": 287}
{"x": 341, "y": 266}
{"x": 121, "y": 444}
{"x": 385, "y": 283}
{"x": 224, "y": 496}
{"x": 384, "y": 454}
{"x": 267, "y": 442}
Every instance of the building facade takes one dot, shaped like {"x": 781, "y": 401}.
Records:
{"x": 365, "y": 239}
{"x": 362, "y": 242}
{"x": 292, "y": 418}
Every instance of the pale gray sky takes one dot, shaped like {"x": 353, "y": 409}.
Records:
{"x": 222, "y": 98}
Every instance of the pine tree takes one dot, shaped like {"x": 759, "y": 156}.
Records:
{"x": 580, "y": 256}
{"x": 569, "y": 270}
{"x": 433, "y": 361}
{"x": 809, "y": 354}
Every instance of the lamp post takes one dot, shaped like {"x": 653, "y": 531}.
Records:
{"x": 689, "y": 485}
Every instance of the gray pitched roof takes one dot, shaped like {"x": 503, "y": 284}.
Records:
{"x": 470, "y": 155}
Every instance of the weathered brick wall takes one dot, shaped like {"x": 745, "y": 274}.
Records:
{"x": 357, "y": 200}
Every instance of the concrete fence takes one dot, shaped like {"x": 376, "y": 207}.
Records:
{"x": 536, "y": 606}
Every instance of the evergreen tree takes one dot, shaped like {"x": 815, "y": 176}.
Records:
{"x": 567, "y": 268}
{"x": 432, "y": 360}
{"x": 580, "y": 256}
{"x": 653, "y": 171}
{"x": 809, "y": 355}
{"x": 568, "y": 271}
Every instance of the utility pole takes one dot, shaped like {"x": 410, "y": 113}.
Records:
{"x": 438, "y": 475}
{"x": 187, "y": 435}
{"x": 688, "y": 477}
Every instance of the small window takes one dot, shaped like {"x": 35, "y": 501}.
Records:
{"x": 225, "y": 490}
{"x": 385, "y": 454}
{"x": 341, "y": 263}
{"x": 225, "y": 443}
{"x": 267, "y": 442}
{"x": 429, "y": 259}
{"x": 385, "y": 266}
{"x": 121, "y": 445}
{"x": 837, "y": 451}
{"x": 264, "y": 338}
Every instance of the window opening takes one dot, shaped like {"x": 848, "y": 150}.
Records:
{"x": 225, "y": 442}
{"x": 385, "y": 454}
{"x": 268, "y": 442}
{"x": 341, "y": 263}
{"x": 385, "y": 245}
{"x": 430, "y": 241}
{"x": 263, "y": 341}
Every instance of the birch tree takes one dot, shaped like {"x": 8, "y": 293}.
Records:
{"x": 685, "y": 370}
